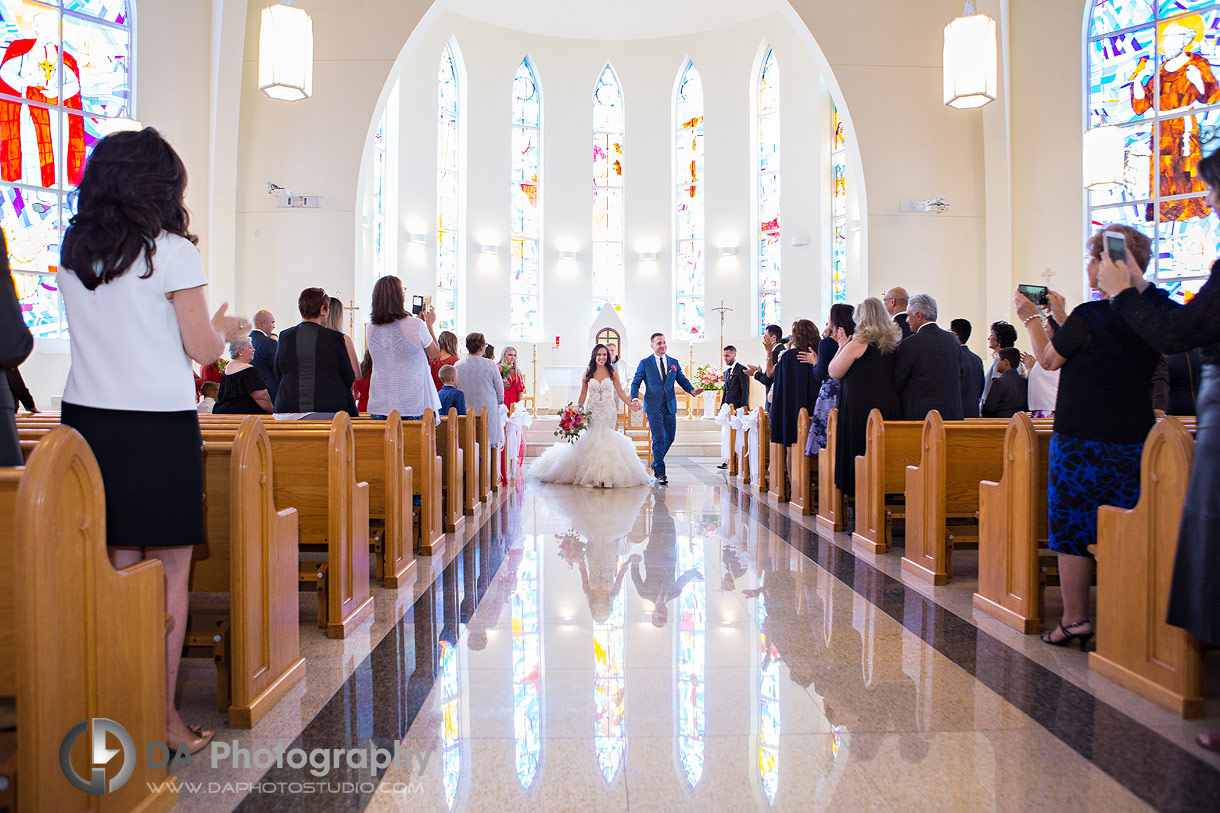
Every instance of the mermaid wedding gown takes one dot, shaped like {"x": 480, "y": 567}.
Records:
{"x": 601, "y": 457}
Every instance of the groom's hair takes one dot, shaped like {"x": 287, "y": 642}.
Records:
{"x": 730, "y": 347}
{"x": 653, "y": 337}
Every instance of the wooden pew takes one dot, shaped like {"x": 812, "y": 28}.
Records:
{"x": 762, "y": 436}
{"x": 745, "y": 469}
{"x": 381, "y": 462}
{"x": 421, "y": 456}
{"x": 1012, "y": 528}
{"x": 937, "y": 492}
{"x": 830, "y": 498}
{"x": 1135, "y": 552}
{"x": 890, "y": 447}
{"x": 471, "y": 454}
{"x": 489, "y": 461}
{"x": 802, "y": 469}
{"x": 78, "y": 639}
{"x": 449, "y": 448}
{"x": 777, "y": 474}
{"x": 251, "y": 554}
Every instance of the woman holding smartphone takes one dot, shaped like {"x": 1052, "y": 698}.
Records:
{"x": 1103, "y": 412}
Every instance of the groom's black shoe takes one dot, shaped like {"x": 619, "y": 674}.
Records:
{"x": 662, "y": 480}
{"x": 723, "y": 466}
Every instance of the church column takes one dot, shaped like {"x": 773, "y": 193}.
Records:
{"x": 998, "y": 283}
{"x": 227, "y": 47}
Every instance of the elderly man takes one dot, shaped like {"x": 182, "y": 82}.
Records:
{"x": 927, "y": 365}
{"x": 895, "y": 302}
{"x": 265, "y": 348}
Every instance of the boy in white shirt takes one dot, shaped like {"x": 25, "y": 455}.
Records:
{"x": 208, "y": 390}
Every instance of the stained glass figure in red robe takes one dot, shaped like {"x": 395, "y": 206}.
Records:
{"x": 1186, "y": 79}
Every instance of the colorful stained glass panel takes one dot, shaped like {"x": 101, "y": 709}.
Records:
{"x": 101, "y": 53}
{"x": 114, "y": 11}
{"x": 1111, "y": 15}
{"x": 525, "y": 271}
{"x": 608, "y": 273}
{"x": 689, "y": 214}
{"x": 1186, "y": 248}
{"x": 1116, "y": 62}
{"x": 1169, "y": 8}
{"x": 1137, "y": 169}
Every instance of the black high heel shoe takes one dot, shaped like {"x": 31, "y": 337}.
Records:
{"x": 1068, "y": 636}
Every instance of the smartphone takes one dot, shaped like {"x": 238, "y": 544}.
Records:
{"x": 1035, "y": 293}
{"x": 427, "y": 303}
{"x": 417, "y": 304}
{"x": 1116, "y": 245}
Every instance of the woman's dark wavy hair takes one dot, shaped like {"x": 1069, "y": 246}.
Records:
{"x": 592, "y": 368}
{"x": 132, "y": 190}
{"x": 842, "y": 315}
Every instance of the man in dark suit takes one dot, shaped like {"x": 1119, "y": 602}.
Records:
{"x": 736, "y": 385}
{"x": 658, "y": 373}
{"x": 972, "y": 370}
{"x": 773, "y": 344}
{"x": 265, "y": 349}
{"x": 1010, "y": 391}
{"x": 927, "y": 365}
{"x": 895, "y": 302}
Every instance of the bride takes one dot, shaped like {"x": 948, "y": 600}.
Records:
{"x": 601, "y": 457}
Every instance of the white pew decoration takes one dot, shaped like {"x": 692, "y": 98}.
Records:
{"x": 724, "y": 421}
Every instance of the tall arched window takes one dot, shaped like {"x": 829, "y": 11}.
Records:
{"x": 767, "y": 170}
{"x": 385, "y": 189}
{"x": 1150, "y": 72}
{"x": 448, "y": 193}
{"x": 65, "y": 75}
{"x": 525, "y": 281}
{"x": 608, "y": 280}
{"x": 838, "y": 223}
{"x": 689, "y": 264}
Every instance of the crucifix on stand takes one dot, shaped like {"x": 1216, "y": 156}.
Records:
{"x": 722, "y": 310}
{"x": 351, "y": 313}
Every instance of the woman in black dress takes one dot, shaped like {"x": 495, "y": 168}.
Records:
{"x": 795, "y": 386}
{"x": 865, "y": 365}
{"x": 316, "y": 372}
{"x": 242, "y": 389}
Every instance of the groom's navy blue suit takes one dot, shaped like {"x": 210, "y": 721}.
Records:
{"x": 660, "y": 404}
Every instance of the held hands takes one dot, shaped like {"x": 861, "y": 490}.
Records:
{"x": 697, "y": 391}
{"x": 231, "y": 327}
{"x": 635, "y": 404}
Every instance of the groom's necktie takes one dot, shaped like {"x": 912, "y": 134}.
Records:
{"x": 661, "y": 367}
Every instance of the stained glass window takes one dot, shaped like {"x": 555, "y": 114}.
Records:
{"x": 768, "y": 192}
{"x": 609, "y": 696}
{"x": 608, "y": 279}
{"x": 527, "y": 663}
{"x": 689, "y": 263}
{"x": 448, "y": 191}
{"x": 838, "y": 239}
{"x": 692, "y": 627}
{"x": 64, "y": 73}
{"x": 1151, "y": 74}
{"x": 525, "y": 273}
{"x": 768, "y": 707}
{"x": 379, "y": 195}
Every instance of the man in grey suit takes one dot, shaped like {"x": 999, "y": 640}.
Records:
{"x": 972, "y": 370}
{"x": 927, "y": 365}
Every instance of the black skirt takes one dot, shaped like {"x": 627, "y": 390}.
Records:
{"x": 152, "y": 470}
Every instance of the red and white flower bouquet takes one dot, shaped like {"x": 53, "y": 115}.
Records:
{"x": 709, "y": 378}
{"x": 573, "y": 419}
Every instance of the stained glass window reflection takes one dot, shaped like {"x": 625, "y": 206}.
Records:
{"x": 1151, "y": 72}
{"x": 448, "y": 203}
{"x": 527, "y": 663}
{"x": 525, "y": 269}
{"x": 451, "y": 721}
{"x": 63, "y": 73}
{"x": 692, "y": 628}
{"x": 689, "y": 271}
{"x": 768, "y": 192}
{"x": 609, "y": 697}
{"x": 608, "y": 129}
{"x": 768, "y": 708}
{"x": 838, "y": 240}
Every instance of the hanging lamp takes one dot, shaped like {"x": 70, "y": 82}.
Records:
{"x": 1104, "y": 157}
{"x": 970, "y": 62}
{"x": 285, "y": 53}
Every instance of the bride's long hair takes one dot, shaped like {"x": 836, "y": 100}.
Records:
{"x": 592, "y": 368}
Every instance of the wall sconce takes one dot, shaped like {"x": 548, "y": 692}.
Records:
{"x": 800, "y": 239}
{"x": 728, "y": 251}
{"x": 647, "y": 256}
{"x": 488, "y": 248}
{"x": 567, "y": 255}
{"x": 416, "y": 239}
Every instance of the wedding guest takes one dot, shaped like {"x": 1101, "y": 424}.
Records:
{"x": 841, "y": 316}
{"x": 489, "y": 352}
{"x": 1184, "y": 381}
{"x": 447, "y": 342}
{"x": 21, "y": 393}
{"x": 242, "y": 391}
{"x": 1042, "y": 389}
{"x": 360, "y": 390}
{"x": 207, "y": 400}
{"x": 514, "y": 383}
{"x": 1103, "y": 413}
{"x": 927, "y": 365}
{"x": 865, "y": 366}
{"x": 1001, "y": 335}
{"x": 16, "y": 344}
{"x": 796, "y": 385}
{"x": 479, "y": 379}
{"x": 265, "y": 348}
{"x": 131, "y": 277}
{"x": 736, "y": 381}
{"x": 451, "y": 397}
{"x": 773, "y": 346}
{"x": 896, "y": 301}
{"x": 1008, "y": 394}
{"x": 400, "y": 346}
{"x": 973, "y": 374}
{"x": 313, "y": 364}
{"x": 212, "y": 371}
{"x": 334, "y": 321}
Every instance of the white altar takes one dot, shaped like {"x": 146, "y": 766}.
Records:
{"x": 560, "y": 386}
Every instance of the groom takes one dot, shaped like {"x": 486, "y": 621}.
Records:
{"x": 658, "y": 373}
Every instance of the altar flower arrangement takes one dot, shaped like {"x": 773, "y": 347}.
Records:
{"x": 709, "y": 378}
{"x": 573, "y": 419}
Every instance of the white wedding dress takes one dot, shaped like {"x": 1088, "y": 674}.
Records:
{"x": 601, "y": 457}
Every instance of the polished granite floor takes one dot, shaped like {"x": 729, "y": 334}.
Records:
{"x": 691, "y": 647}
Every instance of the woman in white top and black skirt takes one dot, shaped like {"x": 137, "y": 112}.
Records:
{"x": 131, "y": 278}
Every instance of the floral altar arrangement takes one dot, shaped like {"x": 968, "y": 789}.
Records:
{"x": 573, "y": 419}
{"x": 709, "y": 378}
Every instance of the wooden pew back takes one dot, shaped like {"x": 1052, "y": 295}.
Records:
{"x": 830, "y": 499}
{"x": 421, "y": 456}
{"x": 448, "y": 446}
{"x": 380, "y": 462}
{"x": 890, "y": 447}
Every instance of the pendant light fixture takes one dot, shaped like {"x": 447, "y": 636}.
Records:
{"x": 1104, "y": 157}
{"x": 970, "y": 60}
{"x": 285, "y": 53}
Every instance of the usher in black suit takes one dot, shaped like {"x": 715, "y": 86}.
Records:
{"x": 928, "y": 374}
{"x": 737, "y": 386}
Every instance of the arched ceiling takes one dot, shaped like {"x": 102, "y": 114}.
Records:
{"x": 618, "y": 20}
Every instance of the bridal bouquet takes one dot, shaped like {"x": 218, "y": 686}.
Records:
{"x": 573, "y": 419}
{"x": 709, "y": 378}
